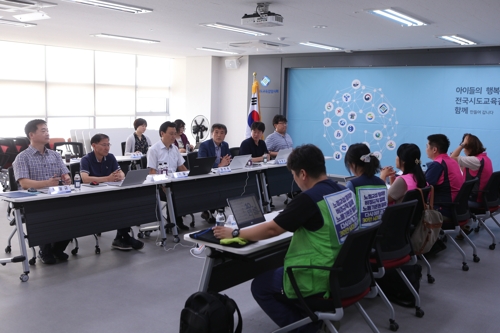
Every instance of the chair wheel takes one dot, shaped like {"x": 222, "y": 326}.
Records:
{"x": 420, "y": 313}
{"x": 476, "y": 258}
{"x": 24, "y": 277}
{"x": 177, "y": 239}
{"x": 140, "y": 235}
{"x": 393, "y": 325}
{"x": 74, "y": 252}
{"x": 476, "y": 229}
{"x": 465, "y": 267}
{"x": 97, "y": 251}
{"x": 430, "y": 278}
{"x": 492, "y": 246}
{"x": 147, "y": 233}
{"x": 32, "y": 261}
{"x": 3, "y": 264}
{"x": 8, "y": 249}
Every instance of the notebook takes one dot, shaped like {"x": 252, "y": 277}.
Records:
{"x": 133, "y": 177}
{"x": 239, "y": 162}
{"x": 201, "y": 166}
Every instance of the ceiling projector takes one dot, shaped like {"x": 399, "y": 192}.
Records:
{"x": 262, "y": 17}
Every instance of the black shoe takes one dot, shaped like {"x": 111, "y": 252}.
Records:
{"x": 182, "y": 226}
{"x": 47, "y": 259}
{"x": 135, "y": 243}
{"x": 205, "y": 215}
{"x": 61, "y": 255}
{"x": 211, "y": 220}
{"x": 121, "y": 244}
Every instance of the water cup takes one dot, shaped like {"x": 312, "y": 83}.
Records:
{"x": 68, "y": 157}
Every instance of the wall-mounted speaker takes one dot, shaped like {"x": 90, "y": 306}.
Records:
{"x": 232, "y": 63}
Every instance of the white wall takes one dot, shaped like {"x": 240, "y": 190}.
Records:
{"x": 203, "y": 86}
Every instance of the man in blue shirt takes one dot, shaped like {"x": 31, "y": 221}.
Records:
{"x": 279, "y": 139}
{"x": 216, "y": 147}
{"x": 101, "y": 166}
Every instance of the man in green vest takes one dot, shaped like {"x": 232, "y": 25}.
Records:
{"x": 316, "y": 238}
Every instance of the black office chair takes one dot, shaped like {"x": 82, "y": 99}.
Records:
{"x": 74, "y": 148}
{"x": 393, "y": 246}
{"x": 144, "y": 162}
{"x": 488, "y": 207}
{"x": 460, "y": 216}
{"x": 351, "y": 280}
{"x": 123, "y": 148}
{"x": 417, "y": 217}
{"x": 21, "y": 143}
{"x": 235, "y": 151}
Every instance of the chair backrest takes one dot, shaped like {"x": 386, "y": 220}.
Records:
{"x": 419, "y": 209}
{"x": 144, "y": 161}
{"x": 352, "y": 266}
{"x": 21, "y": 143}
{"x": 460, "y": 211}
{"x": 8, "y": 148}
{"x": 123, "y": 148}
{"x": 393, "y": 237}
{"x": 491, "y": 194}
{"x": 52, "y": 141}
{"x": 190, "y": 158}
{"x": 74, "y": 148}
{"x": 12, "y": 180}
{"x": 235, "y": 151}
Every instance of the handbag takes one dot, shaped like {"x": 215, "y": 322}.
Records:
{"x": 426, "y": 233}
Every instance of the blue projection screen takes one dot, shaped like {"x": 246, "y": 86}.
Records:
{"x": 385, "y": 107}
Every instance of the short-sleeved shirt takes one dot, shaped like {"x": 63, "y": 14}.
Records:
{"x": 398, "y": 190}
{"x": 30, "y": 164}
{"x": 90, "y": 165}
{"x": 276, "y": 141}
{"x": 159, "y": 153}
{"x": 248, "y": 146}
{"x": 303, "y": 211}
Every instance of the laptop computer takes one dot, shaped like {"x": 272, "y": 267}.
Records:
{"x": 133, "y": 177}
{"x": 246, "y": 210}
{"x": 201, "y": 166}
{"x": 239, "y": 162}
{"x": 283, "y": 154}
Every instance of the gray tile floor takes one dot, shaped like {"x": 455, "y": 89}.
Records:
{"x": 144, "y": 291}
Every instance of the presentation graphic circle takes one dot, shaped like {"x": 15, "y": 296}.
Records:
{"x": 361, "y": 113}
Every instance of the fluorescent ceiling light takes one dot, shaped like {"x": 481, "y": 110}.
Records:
{"x": 112, "y": 5}
{"x": 209, "y": 49}
{"x": 232, "y": 28}
{"x": 32, "y": 17}
{"x": 398, "y": 17}
{"x": 18, "y": 24}
{"x": 321, "y": 46}
{"x": 457, "y": 40}
{"x": 132, "y": 39}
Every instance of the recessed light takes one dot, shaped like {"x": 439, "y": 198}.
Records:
{"x": 32, "y": 16}
{"x": 223, "y": 26}
{"x": 209, "y": 49}
{"x": 401, "y": 18}
{"x": 321, "y": 46}
{"x": 18, "y": 24}
{"x": 320, "y": 26}
{"x": 113, "y": 6}
{"x": 132, "y": 39}
{"x": 457, "y": 40}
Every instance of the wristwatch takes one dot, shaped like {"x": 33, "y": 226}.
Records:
{"x": 461, "y": 145}
{"x": 236, "y": 233}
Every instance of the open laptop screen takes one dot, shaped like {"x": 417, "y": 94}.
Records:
{"x": 246, "y": 210}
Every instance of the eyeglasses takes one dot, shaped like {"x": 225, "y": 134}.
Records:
{"x": 282, "y": 123}
{"x": 105, "y": 145}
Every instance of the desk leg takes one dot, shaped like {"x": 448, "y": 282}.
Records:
{"x": 22, "y": 245}
{"x": 207, "y": 271}
{"x": 264, "y": 191}
{"x": 162, "y": 219}
{"x": 171, "y": 213}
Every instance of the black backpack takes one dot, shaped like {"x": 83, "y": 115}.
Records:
{"x": 394, "y": 287}
{"x": 209, "y": 313}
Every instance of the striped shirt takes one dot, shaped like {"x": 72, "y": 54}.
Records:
{"x": 30, "y": 164}
{"x": 275, "y": 141}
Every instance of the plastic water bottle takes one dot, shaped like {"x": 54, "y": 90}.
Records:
{"x": 77, "y": 181}
{"x": 188, "y": 148}
{"x": 220, "y": 220}
{"x": 165, "y": 168}
{"x": 264, "y": 158}
{"x": 160, "y": 169}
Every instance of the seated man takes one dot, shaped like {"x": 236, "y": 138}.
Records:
{"x": 39, "y": 167}
{"x": 443, "y": 172}
{"x": 308, "y": 217}
{"x": 254, "y": 145}
{"x": 279, "y": 139}
{"x": 100, "y": 166}
{"x": 216, "y": 147}
{"x": 164, "y": 151}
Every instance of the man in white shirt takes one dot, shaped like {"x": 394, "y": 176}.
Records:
{"x": 164, "y": 151}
